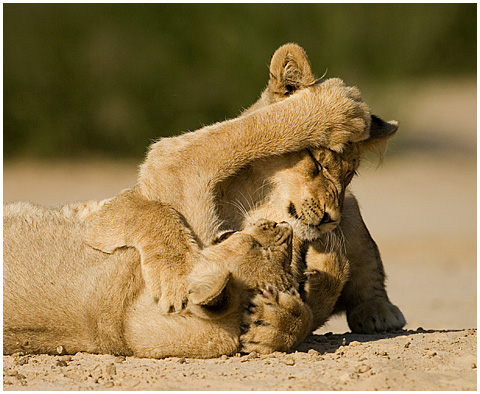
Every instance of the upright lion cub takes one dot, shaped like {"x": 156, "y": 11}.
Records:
{"x": 364, "y": 297}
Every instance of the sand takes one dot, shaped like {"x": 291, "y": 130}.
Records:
{"x": 409, "y": 360}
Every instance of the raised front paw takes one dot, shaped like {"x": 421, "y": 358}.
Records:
{"x": 375, "y": 316}
{"x": 347, "y": 115}
{"x": 275, "y": 321}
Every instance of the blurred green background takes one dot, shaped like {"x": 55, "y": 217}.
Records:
{"x": 105, "y": 80}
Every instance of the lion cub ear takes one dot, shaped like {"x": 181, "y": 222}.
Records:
{"x": 381, "y": 129}
{"x": 290, "y": 70}
{"x": 380, "y": 133}
{"x": 209, "y": 293}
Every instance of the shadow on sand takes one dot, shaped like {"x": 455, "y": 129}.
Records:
{"x": 329, "y": 343}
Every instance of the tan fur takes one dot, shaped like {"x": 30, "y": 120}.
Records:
{"x": 266, "y": 132}
{"x": 314, "y": 184}
{"x": 193, "y": 177}
{"x": 184, "y": 171}
{"x": 188, "y": 172}
{"x": 364, "y": 297}
{"x": 104, "y": 327}
{"x": 60, "y": 292}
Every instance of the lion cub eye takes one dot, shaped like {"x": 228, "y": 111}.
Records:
{"x": 223, "y": 237}
{"x": 317, "y": 165}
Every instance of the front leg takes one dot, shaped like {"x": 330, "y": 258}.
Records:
{"x": 166, "y": 246}
{"x": 184, "y": 170}
{"x": 328, "y": 114}
{"x": 327, "y": 271}
{"x": 364, "y": 297}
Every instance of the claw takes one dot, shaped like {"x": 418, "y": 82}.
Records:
{"x": 292, "y": 291}
{"x": 267, "y": 294}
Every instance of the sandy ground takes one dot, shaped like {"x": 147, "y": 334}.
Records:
{"x": 411, "y": 360}
{"x": 420, "y": 207}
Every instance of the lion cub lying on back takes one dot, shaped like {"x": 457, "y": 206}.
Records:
{"x": 58, "y": 291}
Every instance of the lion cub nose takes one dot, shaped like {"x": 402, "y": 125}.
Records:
{"x": 326, "y": 219}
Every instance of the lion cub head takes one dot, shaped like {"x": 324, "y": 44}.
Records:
{"x": 305, "y": 188}
{"x": 246, "y": 281}
{"x": 230, "y": 272}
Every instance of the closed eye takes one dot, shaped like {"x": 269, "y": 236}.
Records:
{"x": 317, "y": 163}
{"x": 223, "y": 237}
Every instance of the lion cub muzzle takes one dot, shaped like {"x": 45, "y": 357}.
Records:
{"x": 311, "y": 214}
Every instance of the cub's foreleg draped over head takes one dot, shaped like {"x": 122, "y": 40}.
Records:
{"x": 245, "y": 163}
{"x": 184, "y": 171}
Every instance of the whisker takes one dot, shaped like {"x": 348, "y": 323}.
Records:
{"x": 248, "y": 200}
{"x": 343, "y": 240}
{"x": 239, "y": 206}
{"x": 265, "y": 183}
{"x": 330, "y": 242}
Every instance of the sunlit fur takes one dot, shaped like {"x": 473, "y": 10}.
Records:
{"x": 214, "y": 178}
{"x": 60, "y": 292}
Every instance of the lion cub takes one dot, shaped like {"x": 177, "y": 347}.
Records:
{"x": 221, "y": 176}
{"x": 298, "y": 196}
{"x": 60, "y": 292}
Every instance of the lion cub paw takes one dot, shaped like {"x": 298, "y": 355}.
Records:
{"x": 350, "y": 116}
{"x": 375, "y": 316}
{"x": 275, "y": 321}
{"x": 170, "y": 295}
{"x": 172, "y": 298}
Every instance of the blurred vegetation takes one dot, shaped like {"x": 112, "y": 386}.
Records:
{"x": 107, "y": 79}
